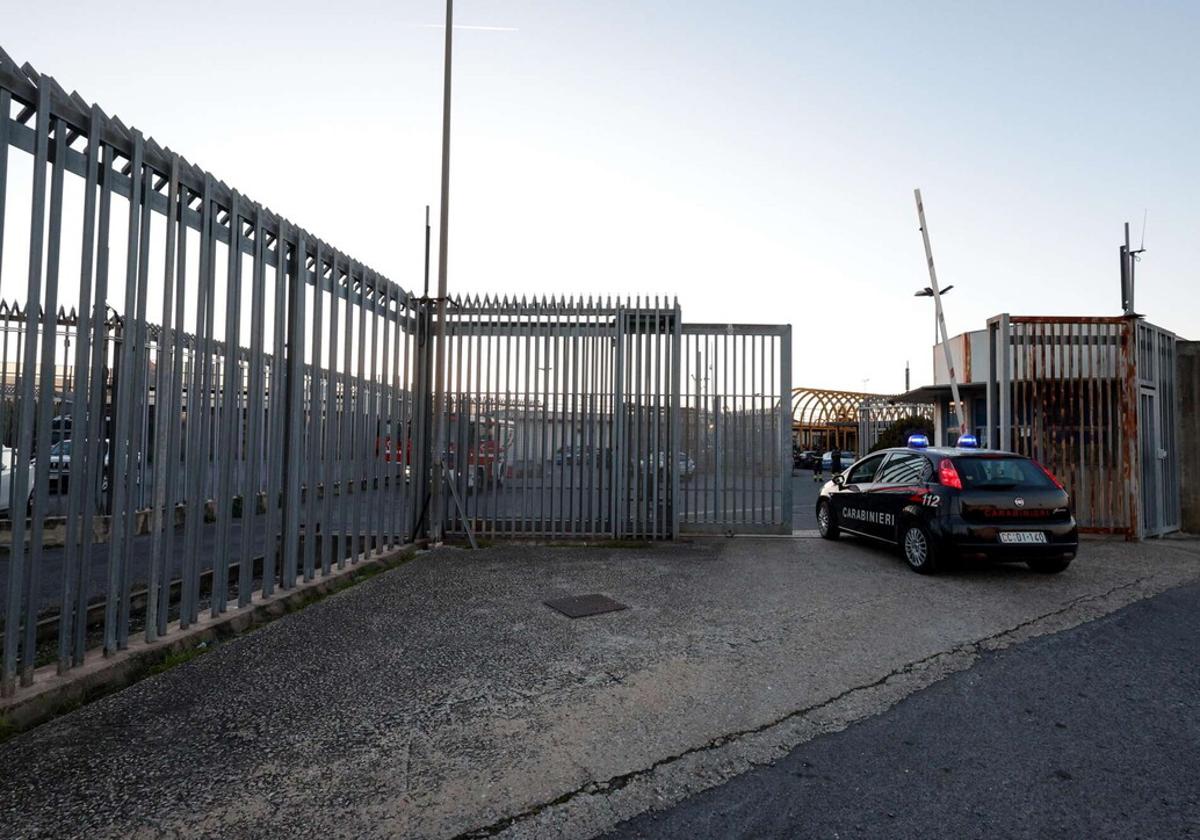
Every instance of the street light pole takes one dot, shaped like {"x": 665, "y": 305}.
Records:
{"x": 439, "y": 398}
{"x": 941, "y": 318}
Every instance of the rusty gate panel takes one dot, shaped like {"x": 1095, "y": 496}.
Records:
{"x": 1070, "y": 402}
{"x": 1093, "y": 398}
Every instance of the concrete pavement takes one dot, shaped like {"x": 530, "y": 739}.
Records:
{"x": 443, "y": 699}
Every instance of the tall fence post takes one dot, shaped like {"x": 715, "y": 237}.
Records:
{"x": 785, "y": 426}
{"x": 674, "y": 446}
{"x": 293, "y": 450}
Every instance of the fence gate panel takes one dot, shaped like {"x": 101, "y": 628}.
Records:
{"x": 558, "y": 419}
{"x": 1160, "y": 495}
{"x": 735, "y": 453}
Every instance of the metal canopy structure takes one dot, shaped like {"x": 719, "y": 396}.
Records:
{"x": 827, "y": 419}
{"x": 850, "y": 420}
{"x": 212, "y": 403}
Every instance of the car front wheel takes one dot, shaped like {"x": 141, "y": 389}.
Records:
{"x": 826, "y": 523}
{"x": 919, "y": 550}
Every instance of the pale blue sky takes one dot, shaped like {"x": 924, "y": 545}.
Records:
{"x": 755, "y": 159}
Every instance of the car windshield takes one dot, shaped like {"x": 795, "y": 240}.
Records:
{"x": 1000, "y": 473}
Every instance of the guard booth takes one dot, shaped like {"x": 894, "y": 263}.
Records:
{"x": 1094, "y": 399}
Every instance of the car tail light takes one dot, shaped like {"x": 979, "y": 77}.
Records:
{"x": 1051, "y": 476}
{"x": 947, "y": 475}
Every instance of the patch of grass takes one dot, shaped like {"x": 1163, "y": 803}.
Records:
{"x": 643, "y": 544}
{"x": 355, "y": 577}
{"x": 178, "y": 658}
{"x": 7, "y": 728}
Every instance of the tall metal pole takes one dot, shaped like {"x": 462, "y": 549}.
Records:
{"x": 941, "y": 318}
{"x": 439, "y": 399}
{"x": 426, "y": 250}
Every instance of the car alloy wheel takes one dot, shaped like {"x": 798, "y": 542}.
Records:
{"x": 916, "y": 548}
{"x": 823, "y": 519}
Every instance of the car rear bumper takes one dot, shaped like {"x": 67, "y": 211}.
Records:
{"x": 961, "y": 538}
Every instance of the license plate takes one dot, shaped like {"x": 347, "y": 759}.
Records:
{"x": 1022, "y": 537}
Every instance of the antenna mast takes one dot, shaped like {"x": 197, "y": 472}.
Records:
{"x": 1129, "y": 260}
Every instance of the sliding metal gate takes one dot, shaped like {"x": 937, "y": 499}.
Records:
{"x": 561, "y": 415}
{"x": 735, "y": 447}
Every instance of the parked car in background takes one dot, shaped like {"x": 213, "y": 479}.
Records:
{"x": 805, "y": 459}
{"x": 8, "y": 461}
{"x": 60, "y": 465}
{"x": 575, "y": 455}
{"x": 683, "y": 464}
{"x": 847, "y": 460}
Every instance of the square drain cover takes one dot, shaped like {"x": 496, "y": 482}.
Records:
{"x": 579, "y": 606}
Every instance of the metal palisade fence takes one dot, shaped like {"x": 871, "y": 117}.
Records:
{"x": 202, "y": 404}
{"x": 152, "y": 471}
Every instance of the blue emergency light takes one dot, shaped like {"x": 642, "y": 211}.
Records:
{"x": 968, "y": 442}
{"x": 918, "y": 441}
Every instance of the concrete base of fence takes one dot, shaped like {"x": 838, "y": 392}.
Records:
{"x": 52, "y": 693}
{"x": 54, "y": 528}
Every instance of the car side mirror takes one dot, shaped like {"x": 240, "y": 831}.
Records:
{"x": 839, "y": 479}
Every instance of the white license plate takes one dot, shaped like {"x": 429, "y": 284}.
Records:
{"x": 1022, "y": 537}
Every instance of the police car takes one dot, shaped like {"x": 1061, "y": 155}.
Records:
{"x": 935, "y": 503}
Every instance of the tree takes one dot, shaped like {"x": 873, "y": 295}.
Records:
{"x": 897, "y": 434}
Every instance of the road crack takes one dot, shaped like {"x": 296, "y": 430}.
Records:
{"x": 616, "y": 783}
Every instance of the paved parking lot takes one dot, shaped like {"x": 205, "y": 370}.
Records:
{"x": 443, "y": 699}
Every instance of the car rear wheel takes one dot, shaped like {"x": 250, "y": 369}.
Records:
{"x": 919, "y": 550}
{"x": 1049, "y": 565}
{"x": 826, "y": 523}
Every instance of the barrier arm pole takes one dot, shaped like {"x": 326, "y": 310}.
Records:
{"x": 941, "y": 318}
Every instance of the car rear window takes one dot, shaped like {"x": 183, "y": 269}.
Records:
{"x": 1000, "y": 473}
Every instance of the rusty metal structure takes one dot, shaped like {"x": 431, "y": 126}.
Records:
{"x": 1092, "y": 398}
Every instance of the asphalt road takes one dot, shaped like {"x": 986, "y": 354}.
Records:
{"x": 1091, "y": 733}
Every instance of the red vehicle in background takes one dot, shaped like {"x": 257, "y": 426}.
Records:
{"x": 488, "y": 443}
{"x": 385, "y": 446}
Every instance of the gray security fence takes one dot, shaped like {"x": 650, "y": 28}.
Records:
{"x": 562, "y": 415}
{"x": 246, "y": 440}
{"x": 202, "y": 403}
{"x": 735, "y": 453}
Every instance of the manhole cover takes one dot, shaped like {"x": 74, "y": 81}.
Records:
{"x": 580, "y": 606}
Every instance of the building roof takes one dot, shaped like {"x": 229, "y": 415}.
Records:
{"x": 933, "y": 393}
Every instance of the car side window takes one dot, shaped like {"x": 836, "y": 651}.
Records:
{"x": 903, "y": 468}
{"x": 864, "y": 471}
